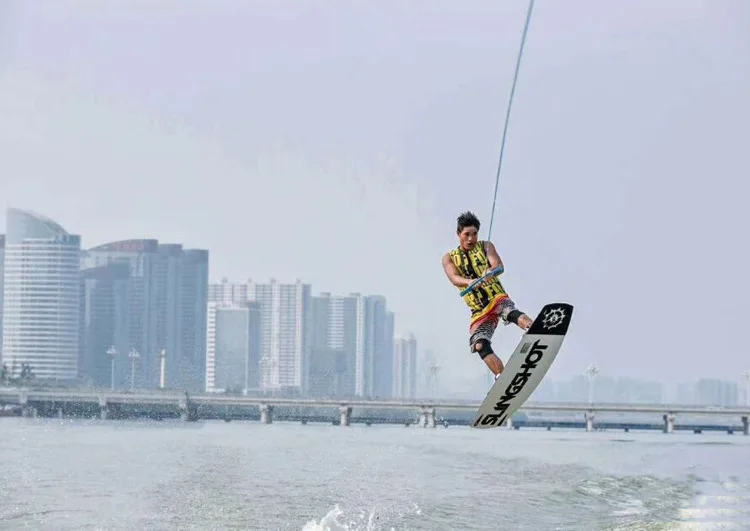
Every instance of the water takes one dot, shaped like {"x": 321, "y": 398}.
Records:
{"x": 64, "y": 474}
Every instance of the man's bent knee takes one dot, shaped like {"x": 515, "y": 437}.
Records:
{"x": 483, "y": 347}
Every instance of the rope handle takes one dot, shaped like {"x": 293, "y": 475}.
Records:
{"x": 490, "y": 273}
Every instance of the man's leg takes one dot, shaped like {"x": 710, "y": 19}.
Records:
{"x": 522, "y": 320}
{"x": 495, "y": 364}
{"x": 480, "y": 342}
{"x": 510, "y": 314}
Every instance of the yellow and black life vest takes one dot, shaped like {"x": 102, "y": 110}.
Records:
{"x": 473, "y": 264}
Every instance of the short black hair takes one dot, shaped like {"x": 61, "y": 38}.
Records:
{"x": 467, "y": 219}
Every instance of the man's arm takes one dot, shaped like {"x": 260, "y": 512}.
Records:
{"x": 453, "y": 274}
{"x": 493, "y": 257}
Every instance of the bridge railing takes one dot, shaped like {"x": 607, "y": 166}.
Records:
{"x": 21, "y": 395}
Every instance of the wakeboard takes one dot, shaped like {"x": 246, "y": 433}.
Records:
{"x": 526, "y": 367}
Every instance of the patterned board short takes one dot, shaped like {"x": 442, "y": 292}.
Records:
{"x": 486, "y": 329}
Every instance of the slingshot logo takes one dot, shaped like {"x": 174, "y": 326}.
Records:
{"x": 553, "y": 318}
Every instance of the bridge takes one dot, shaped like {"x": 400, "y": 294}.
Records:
{"x": 161, "y": 404}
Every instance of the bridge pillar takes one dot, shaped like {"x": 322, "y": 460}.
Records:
{"x": 668, "y": 422}
{"x": 345, "y": 415}
{"x": 509, "y": 423}
{"x": 182, "y": 404}
{"x": 428, "y": 417}
{"x": 23, "y": 400}
{"x": 745, "y": 426}
{"x": 266, "y": 414}
{"x": 59, "y": 412}
{"x": 589, "y": 416}
{"x": 188, "y": 409}
{"x": 103, "y": 408}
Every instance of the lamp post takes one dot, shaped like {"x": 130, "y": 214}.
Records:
{"x": 163, "y": 366}
{"x": 133, "y": 355}
{"x": 591, "y": 372}
{"x": 112, "y": 353}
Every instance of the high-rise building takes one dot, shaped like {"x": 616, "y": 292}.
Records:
{"x": 321, "y": 345}
{"x": 282, "y": 308}
{"x": 142, "y": 319}
{"x": 191, "y": 321}
{"x": 168, "y": 297}
{"x": 326, "y": 366}
{"x": 374, "y": 332}
{"x": 105, "y": 320}
{"x": 351, "y": 342}
{"x": 336, "y": 345}
{"x": 41, "y": 295}
{"x": 237, "y": 295}
{"x": 229, "y": 292}
{"x": 233, "y": 347}
{"x": 716, "y": 392}
{"x": 376, "y": 373}
{"x": 375, "y": 367}
{"x": 283, "y": 350}
{"x": 405, "y": 367}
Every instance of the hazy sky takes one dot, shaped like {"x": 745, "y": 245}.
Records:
{"x": 337, "y": 142}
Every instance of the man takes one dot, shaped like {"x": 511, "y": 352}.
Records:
{"x": 488, "y": 300}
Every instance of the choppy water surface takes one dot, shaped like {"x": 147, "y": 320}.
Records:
{"x": 62, "y": 474}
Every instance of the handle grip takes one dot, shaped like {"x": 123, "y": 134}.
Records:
{"x": 494, "y": 272}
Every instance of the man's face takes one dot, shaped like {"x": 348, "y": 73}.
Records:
{"x": 468, "y": 237}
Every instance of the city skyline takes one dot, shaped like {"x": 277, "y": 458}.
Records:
{"x": 36, "y": 249}
{"x": 137, "y": 244}
{"x": 338, "y": 345}
{"x": 151, "y": 303}
{"x": 88, "y": 256}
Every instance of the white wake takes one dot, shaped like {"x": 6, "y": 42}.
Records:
{"x": 335, "y": 520}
